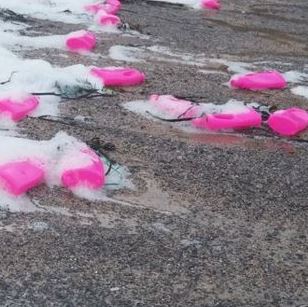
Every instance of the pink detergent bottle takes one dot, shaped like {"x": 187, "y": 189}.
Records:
{"x": 288, "y": 122}
{"x": 112, "y": 6}
{"x": 222, "y": 121}
{"x": 80, "y": 41}
{"x": 173, "y": 106}
{"x": 17, "y": 109}
{"x": 210, "y": 4}
{"x": 90, "y": 176}
{"x": 259, "y": 81}
{"x": 20, "y": 177}
{"x": 105, "y": 19}
{"x": 118, "y": 76}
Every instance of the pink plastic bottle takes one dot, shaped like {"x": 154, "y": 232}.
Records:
{"x": 80, "y": 41}
{"x": 173, "y": 106}
{"x": 248, "y": 119}
{"x": 19, "y": 177}
{"x": 118, "y": 76}
{"x": 105, "y": 19}
{"x": 110, "y": 7}
{"x": 259, "y": 81}
{"x": 289, "y": 122}
{"x": 91, "y": 176}
{"x": 210, "y": 4}
{"x": 18, "y": 109}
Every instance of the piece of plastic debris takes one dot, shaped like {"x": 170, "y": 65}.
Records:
{"x": 81, "y": 41}
{"x": 105, "y": 19}
{"x": 173, "y": 106}
{"x": 110, "y": 7}
{"x": 210, "y": 4}
{"x": 17, "y": 109}
{"x": 288, "y": 122}
{"x": 259, "y": 81}
{"x": 19, "y": 177}
{"x": 118, "y": 76}
{"x": 90, "y": 176}
{"x": 223, "y": 121}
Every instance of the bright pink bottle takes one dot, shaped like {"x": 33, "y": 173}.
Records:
{"x": 222, "y": 121}
{"x": 110, "y": 7}
{"x": 105, "y": 19}
{"x": 259, "y": 81}
{"x": 289, "y": 122}
{"x": 20, "y": 177}
{"x": 80, "y": 41}
{"x": 119, "y": 76}
{"x": 17, "y": 109}
{"x": 211, "y": 4}
{"x": 173, "y": 106}
{"x": 91, "y": 176}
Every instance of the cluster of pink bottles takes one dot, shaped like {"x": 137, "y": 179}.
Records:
{"x": 287, "y": 122}
{"x": 18, "y": 177}
{"x": 105, "y": 12}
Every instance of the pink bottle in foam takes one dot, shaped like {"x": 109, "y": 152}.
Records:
{"x": 222, "y": 121}
{"x": 259, "y": 81}
{"x": 210, "y": 4}
{"x": 105, "y": 19}
{"x": 17, "y": 109}
{"x": 173, "y": 106}
{"x": 80, "y": 41}
{"x": 118, "y": 76}
{"x": 91, "y": 176}
{"x": 20, "y": 177}
{"x": 110, "y": 7}
{"x": 289, "y": 122}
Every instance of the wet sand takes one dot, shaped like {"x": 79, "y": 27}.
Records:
{"x": 214, "y": 219}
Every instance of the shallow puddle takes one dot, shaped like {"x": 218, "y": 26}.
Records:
{"x": 153, "y": 198}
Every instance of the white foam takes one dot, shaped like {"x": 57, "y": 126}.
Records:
{"x": 68, "y": 11}
{"x": 294, "y": 76}
{"x": 125, "y": 54}
{"x": 301, "y": 91}
{"x": 147, "y": 109}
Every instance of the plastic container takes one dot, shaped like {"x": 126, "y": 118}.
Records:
{"x": 20, "y": 177}
{"x": 173, "y": 106}
{"x": 118, "y": 76}
{"x": 259, "y": 81}
{"x": 210, "y": 4}
{"x": 222, "y": 121}
{"x": 80, "y": 41}
{"x": 105, "y": 19}
{"x": 288, "y": 122}
{"x": 17, "y": 109}
{"x": 110, "y": 7}
{"x": 90, "y": 176}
